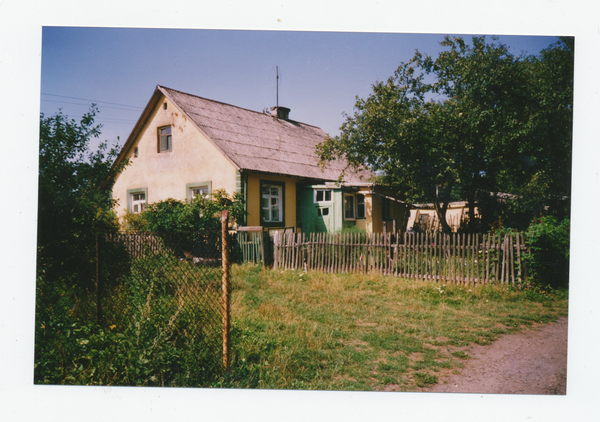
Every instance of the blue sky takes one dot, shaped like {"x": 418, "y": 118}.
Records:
{"x": 320, "y": 73}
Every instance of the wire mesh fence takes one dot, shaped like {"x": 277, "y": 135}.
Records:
{"x": 145, "y": 310}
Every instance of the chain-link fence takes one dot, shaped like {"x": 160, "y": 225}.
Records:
{"x": 145, "y": 310}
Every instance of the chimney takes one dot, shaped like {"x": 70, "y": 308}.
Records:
{"x": 280, "y": 112}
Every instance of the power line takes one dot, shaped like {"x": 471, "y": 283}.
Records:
{"x": 93, "y": 101}
{"x": 101, "y": 120}
{"x": 85, "y": 104}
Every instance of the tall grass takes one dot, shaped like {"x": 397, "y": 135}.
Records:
{"x": 161, "y": 327}
{"x": 294, "y": 330}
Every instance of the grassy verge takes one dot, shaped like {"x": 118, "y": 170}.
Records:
{"x": 366, "y": 332}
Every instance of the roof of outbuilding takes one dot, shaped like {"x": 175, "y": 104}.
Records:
{"x": 260, "y": 142}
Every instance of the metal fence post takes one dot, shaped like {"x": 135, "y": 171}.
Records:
{"x": 225, "y": 247}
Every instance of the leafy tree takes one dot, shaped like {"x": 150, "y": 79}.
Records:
{"x": 541, "y": 179}
{"x": 463, "y": 125}
{"x": 74, "y": 197}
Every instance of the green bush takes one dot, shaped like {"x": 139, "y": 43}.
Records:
{"x": 201, "y": 214}
{"x": 548, "y": 262}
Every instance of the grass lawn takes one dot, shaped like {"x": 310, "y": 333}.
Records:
{"x": 365, "y": 332}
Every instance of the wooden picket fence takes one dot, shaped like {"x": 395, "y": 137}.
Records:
{"x": 449, "y": 258}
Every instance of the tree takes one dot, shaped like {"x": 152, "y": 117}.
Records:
{"x": 460, "y": 126}
{"x": 541, "y": 180}
{"x": 74, "y": 198}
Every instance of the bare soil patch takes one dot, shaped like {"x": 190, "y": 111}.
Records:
{"x": 530, "y": 362}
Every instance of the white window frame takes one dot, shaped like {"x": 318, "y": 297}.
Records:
{"x": 355, "y": 206}
{"x": 189, "y": 188}
{"x": 137, "y": 199}
{"x": 271, "y": 201}
{"x": 324, "y": 192}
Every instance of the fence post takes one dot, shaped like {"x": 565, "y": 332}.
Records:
{"x": 225, "y": 263}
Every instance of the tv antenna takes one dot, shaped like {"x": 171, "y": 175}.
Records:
{"x": 277, "y": 84}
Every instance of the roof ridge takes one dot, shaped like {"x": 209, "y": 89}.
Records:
{"x": 234, "y": 106}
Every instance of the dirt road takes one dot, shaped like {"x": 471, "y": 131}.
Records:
{"x": 531, "y": 362}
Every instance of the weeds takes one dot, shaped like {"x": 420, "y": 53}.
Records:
{"x": 157, "y": 331}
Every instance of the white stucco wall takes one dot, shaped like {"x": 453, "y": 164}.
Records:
{"x": 165, "y": 175}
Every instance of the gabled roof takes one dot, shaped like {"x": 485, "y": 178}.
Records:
{"x": 253, "y": 141}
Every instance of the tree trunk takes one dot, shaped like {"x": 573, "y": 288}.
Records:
{"x": 441, "y": 214}
{"x": 472, "y": 225}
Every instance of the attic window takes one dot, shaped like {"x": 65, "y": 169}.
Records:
{"x": 164, "y": 139}
{"x": 135, "y": 152}
{"x": 165, "y": 106}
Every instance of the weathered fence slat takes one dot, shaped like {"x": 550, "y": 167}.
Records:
{"x": 454, "y": 258}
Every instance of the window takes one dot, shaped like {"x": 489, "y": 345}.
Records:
{"x": 271, "y": 203}
{"x": 349, "y": 207}
{"x": 135, "y": 152}
{"x": 360, "y": 206}
{"x": 201, "y": 190}
{"x": 354, "y": 206}
{"x": 136, "y": 200}
{"x": 322, "y": 195}
{"x": 165, "y": 142}
{"x": 198, "y": 188}
{"x": 321, "y": 212}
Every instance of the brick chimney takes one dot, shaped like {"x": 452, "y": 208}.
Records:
{"x": 280, "y": 112}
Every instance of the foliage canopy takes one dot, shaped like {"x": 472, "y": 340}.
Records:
{"x": 473, "y": 122}
{"x": 74, "y": 197}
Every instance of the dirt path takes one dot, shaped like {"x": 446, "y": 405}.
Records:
{"x": 530, "y": 362}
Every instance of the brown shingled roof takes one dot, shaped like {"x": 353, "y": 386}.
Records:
{"x": 260, "y": 142}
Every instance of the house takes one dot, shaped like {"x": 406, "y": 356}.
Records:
{"x": 423, "y": 217}
{"x": 184, "y": 145}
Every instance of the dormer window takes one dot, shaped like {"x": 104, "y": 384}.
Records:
{"x": 165, "y": 142}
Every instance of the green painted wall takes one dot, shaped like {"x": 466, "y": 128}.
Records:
{"x": 318, "y": 217}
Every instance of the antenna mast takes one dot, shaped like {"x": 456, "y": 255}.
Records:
{"x": 277, "y": 80}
